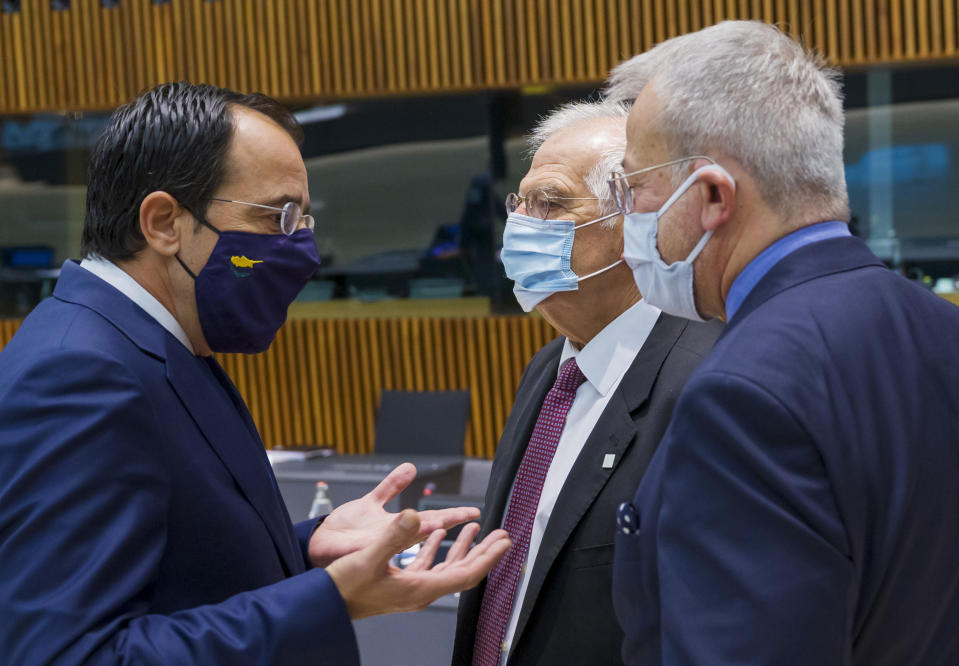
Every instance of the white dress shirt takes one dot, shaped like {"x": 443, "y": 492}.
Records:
{"x": 120, "y": 280}
{"x": 603, "y": 361}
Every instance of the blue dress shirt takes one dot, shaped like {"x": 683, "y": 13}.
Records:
{"x": 760, "y": 265}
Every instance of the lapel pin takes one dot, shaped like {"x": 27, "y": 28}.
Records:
{"x": 608, "y": 460}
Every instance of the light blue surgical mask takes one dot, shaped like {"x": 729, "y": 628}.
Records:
{"x": 536, "y": 254}
{"x": 667, "y": 286}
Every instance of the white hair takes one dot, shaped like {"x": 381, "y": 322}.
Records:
{"x": 609, "y": 159}
{"x": 745, "y": 89}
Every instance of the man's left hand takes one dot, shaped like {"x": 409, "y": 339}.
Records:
{"x": 355, "y": 525}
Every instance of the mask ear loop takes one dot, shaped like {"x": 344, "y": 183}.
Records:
{"x": 692, "y": 178}
{"x": 188, "y": 271}
{"x": 600, "y": 271}
{"x": 202, "y": 220}
{"x": 598, "y": 219}
{"x": 699, "y": 248}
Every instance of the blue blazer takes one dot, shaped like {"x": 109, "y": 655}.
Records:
{"x": 139, "y": 518}
{"x": 803, "y": 507}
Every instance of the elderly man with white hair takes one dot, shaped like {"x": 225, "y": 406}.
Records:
{"x": 589, "y": 411}
{"x": 802, "y": 506}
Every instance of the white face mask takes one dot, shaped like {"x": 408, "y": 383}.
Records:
{"x": 667, "y": 286}
{"x": 536, "y": 255}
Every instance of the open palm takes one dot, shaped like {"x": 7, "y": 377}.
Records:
{"x": 354, "y": 525}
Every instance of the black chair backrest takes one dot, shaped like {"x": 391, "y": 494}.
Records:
{"x": 422, "y": 422}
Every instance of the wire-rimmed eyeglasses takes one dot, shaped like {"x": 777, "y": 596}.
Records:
{"x": 622, "y": 191}
{"x": 538, "y": 202}
{"x": 290, "y": 214}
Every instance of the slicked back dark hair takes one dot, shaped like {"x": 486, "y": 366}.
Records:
{"x": 172, "y": 138}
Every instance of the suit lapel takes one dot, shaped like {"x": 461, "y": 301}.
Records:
{"x": 233, "y": 439}
{"x": 615, "y": 432}
{"x": 238, "y": 449}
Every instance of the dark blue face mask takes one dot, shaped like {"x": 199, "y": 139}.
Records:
{"x": 247, "y": 285}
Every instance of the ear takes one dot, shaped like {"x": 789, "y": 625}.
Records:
{"x": 159, "y": 212}
{"x": 720, "y": 198}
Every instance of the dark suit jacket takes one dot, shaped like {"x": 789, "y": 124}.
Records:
{"x": 803, "y": 505}
{"x": 567, "y": 614}
{"x": 139, "y": 518}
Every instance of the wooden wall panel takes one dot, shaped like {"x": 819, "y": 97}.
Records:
{"x": 96, "y": 57}
{"x": 7, "y": 328}
{"x": 320, "y": 382}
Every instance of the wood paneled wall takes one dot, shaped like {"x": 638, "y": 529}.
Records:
{"x": 95, "y": 57}
{"x": 320, "y": 382}
{"x": 7, "y": 328}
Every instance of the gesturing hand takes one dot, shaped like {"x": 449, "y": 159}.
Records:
{"x": 356, "y": 524}
{"x": 370, "y": 585}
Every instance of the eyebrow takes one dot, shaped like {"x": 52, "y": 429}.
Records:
{"x": 551, "y": 190}
{"x": 280, "y": 201}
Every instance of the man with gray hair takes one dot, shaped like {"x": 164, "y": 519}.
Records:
{"x": 569, "y": 454}
{"x": 801, "y": 507}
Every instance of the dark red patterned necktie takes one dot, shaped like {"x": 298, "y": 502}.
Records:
{"x": 501, "y": 584}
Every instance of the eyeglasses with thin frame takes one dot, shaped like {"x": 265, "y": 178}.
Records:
{"x": 622, "y": 191}
{"x": 290, "y": 214}
{"x": 538, "y": 202}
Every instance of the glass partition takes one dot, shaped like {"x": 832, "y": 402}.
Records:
{"x": 408, "y": 192}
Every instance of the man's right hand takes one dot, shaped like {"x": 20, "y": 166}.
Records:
{"x": 371, "y": 585}
{"x": 358, "y": 523}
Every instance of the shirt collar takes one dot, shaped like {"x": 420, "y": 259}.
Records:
{"x": 606, "y": 358}
{"x": 765, "y": 260}
{"x": 120, "y": 280}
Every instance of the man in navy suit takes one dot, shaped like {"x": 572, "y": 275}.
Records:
{"x": 802, "y": 506}
{"x": 139, "y": 518}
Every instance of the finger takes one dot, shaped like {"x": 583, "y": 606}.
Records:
{"x": 491, "y": 544}
{"x": 476, "y": 566}
{"x": 395, "y": 536}
{"x": 427, "y": 552}
{"x": 492, "y": 540}
{"x": 447, "y": 518}
{"x": 395, "y": 482}
{"x": 462, "y": 544}
{"x": 460, "y": 547}
{"x": 436, "y": 582}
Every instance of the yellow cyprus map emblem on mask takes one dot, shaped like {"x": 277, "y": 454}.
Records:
{"x": 242, "y": 267}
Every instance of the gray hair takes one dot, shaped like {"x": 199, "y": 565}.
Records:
{"x": 610, "y": 158}
{"x": 748, "y": 90}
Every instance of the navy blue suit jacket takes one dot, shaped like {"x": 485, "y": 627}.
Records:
{"x": 803, "y": 505}
{"x": 139, "y": 518}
